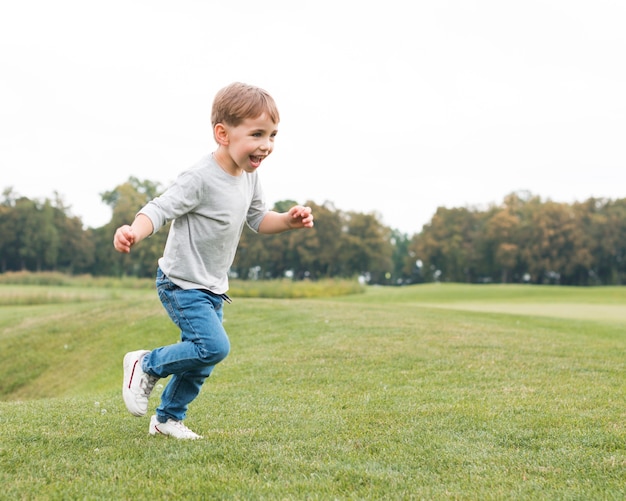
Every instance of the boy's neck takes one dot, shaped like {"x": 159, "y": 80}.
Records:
{"x": 222, "y": 158}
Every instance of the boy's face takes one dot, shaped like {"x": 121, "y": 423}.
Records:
{"x": 250, "y": 143}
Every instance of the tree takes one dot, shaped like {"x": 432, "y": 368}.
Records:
{"x": 8, "y": 229}
{"x": 314, "y": 252}
{"x": 400, "y": 244}
{"x": 604, "y": 233}
{"x": 125, "y": 200}
{"x": 501, "y": 236}
{"x": 37, "y": 236}
{"x": 549, "y": 249}
{"x": 366, "y": 247}
{"x": 447, "y": 245}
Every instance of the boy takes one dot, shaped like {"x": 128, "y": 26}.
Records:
{"x": 209, "y": 205}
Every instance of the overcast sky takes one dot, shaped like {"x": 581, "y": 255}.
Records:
{"x": 395, "y": 107}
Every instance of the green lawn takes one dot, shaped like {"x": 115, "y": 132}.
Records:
{"x": 423, "y": 392}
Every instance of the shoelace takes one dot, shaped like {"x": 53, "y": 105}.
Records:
{"x": 183, "y": 428}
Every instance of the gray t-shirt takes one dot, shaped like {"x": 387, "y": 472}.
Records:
{"x": 209, "y": 208}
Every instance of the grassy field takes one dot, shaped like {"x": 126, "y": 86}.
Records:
{"x": 423, "y": 392}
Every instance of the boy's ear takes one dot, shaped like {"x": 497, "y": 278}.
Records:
{"x": 221, "y": 134}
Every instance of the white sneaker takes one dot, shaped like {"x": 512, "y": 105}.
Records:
{"x": 173, "y": 428}
{"x": 137, "y": 384}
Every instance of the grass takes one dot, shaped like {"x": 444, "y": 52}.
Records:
{"x": 423, "y": 392}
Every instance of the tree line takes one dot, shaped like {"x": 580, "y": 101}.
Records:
{"x": 523, "y": 239}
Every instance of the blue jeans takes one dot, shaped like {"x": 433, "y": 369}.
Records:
{"x": 204, "y": 343}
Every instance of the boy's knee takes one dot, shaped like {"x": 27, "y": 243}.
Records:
{"x": 211, "y": 355}
{"x": 223, "y": 353}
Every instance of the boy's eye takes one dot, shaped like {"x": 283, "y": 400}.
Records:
{"x": 261, "y": 134}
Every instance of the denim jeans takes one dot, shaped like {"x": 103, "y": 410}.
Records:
{"x": 204, "y": 343}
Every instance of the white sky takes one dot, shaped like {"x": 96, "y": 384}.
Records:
{"x": 392, "y": 106}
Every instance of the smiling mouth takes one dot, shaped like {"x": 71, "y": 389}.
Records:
{"x": 256, "y": 160}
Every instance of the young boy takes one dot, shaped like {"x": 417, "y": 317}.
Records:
{"x": 209, "y": 205}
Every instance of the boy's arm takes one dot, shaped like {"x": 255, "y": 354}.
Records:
{"x": 297, "y": 217}
{"x": 126, "y": 236}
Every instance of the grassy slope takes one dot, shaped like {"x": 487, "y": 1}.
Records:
{"x": 397, "y": 393}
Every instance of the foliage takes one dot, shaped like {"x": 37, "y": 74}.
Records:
{"x": 524, "y": 239}
{"x": 42, "y": 236}
{"x": 125, "y": 200}
{"x": 398, "y": 393}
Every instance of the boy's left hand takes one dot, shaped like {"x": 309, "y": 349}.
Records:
{"x": 300, "y": 217}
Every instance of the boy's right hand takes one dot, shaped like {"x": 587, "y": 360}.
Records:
{"x": 124, "y": 239}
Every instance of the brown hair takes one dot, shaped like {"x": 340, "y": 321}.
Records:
{"x": 238, "y": 101}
